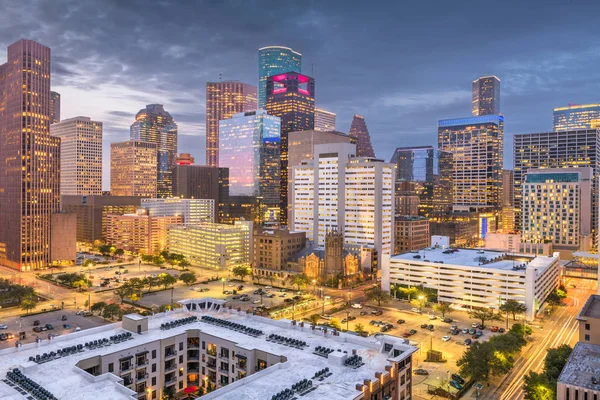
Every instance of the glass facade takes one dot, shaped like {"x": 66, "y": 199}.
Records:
{"x": 249, "y": 145}
{"x": 273, "y": 60}
{"x": 577, "y": 116}
{"x": 486, "y": 96}
{"x": 431, "y": 171}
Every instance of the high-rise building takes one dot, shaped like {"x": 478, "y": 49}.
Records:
{"x": 561, "y": 149}
{"x": 54, "y": 107}
{"x": 154, "y": 125}
{"x": 291, "y": 97}
{"x": 133, "y": 169}
{"x": 410, "y": 233}
{"x": 358, "y": 129}
{"x": 556, "y": 206}
{"x": 577, "y": 116}
{"x": 184, "y": 159}
{"x": 193, "y": 211}
{"x": 486, "y": 96}
{"x": 431, "y": 171}
{"x": 339, "y": 191}
{"x": 477, "y": 145}
{"x": 508, "y": 189}
{"x": 249, "y": 146}
{"x": 224, "y": 99}
{"x": 274, "y": 60}
{"x": 324, "y": 120}
{"x": 80, "y": 156}
{"x": 203, "y": 182}
{"x": 29, "y": 158}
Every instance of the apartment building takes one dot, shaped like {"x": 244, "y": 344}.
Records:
{"x": 411, "y": 233}
{"x": 273, "y": 247}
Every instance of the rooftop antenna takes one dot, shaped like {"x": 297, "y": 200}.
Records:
{"x": 312, "y": 69}
{"x": 220, "y": 76}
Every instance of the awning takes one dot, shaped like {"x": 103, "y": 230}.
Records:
{"x": 190, "y": 389}
{"x": 126, "y": 358}
{"x": 241, "y": 356}
{"x": 141, "y": 353}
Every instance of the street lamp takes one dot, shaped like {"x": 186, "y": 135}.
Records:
{"x": 314, "y": 282}
{"x": 223, "y": 280}
{"x": 347, "y": 320}
{"x": 421, "y": 302}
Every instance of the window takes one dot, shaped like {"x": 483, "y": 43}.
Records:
{"x": 153, "y": 354}
{"x": 587, "y": 327}
{"x": 180, "y": 384}
{"x": 153, "y": 394}
{"x": 181, "y": 346}
{"x": 587, "y": 338}
{"x": 180, "y": 359}
{"x": 111, "y": 367}
{"x": 154, "y": 367}
{"x": 153, "y": 381}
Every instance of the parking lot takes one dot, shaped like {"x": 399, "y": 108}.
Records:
{"x": 14, "y": 325}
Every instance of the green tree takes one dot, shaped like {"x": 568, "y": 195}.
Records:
{"x": 147, "y": 258}
{"x": 556, "y": 297}
{"x": 98, "y": 307}
{"x": 88, "y": 262}
{"x": 241, "y": 271}
{"x": 484, "y": 314}
{"x": 185, "y": 263}
{"x": 111, "y": 311}
{"x": 508, "y": 343}
{"x": 335, "y": 323}
{"x": 257, "y": 277}
{"x": 167, "y": 280}
{"x": 314, "y": 319}
{"x": 124, "y": 291}
{"x": 523, "y": 330}
{"x": 188, "y": 278}
{"x": 152, "y": 281}
{"x": 81, "y": 284}
{"x": 134, "y": 297}
{"x": 28, "y": 303}
{"x": 409, "y": 292}
{"x": 120, "y": 252}
{"x": 443, "y": 308}
{"x": 555, "y": 362}
{"x": 104, "y": 249}
{"x": 513, "y": 307}
{"x": 378, "y": 295}
{"x": 537, "y": 387}
{"x": 476, "y": 361}
{"x": 299, "y": 280}
{"x": 359, "y": 328}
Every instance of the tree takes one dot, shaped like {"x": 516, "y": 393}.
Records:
{"x": 98, "y": 307}
{"x": 443, "y": 308}
{"x": 167, "y": 280}
{"x": 185, "y": 263}
{"x": 513, "y": 307}
{"x": 335, "y": 323}
{"x": 104, "y": 249}
{"x": 152, "y": 281}
{"x": 111, "y": 311}
{"x": 476, "y": 361}
{"x": 81, "y": 284}
{"x": 314, "y": 319}
{"x": 484, "y": 314}
{"x": 123, "y": 291}
{"x": 241, "y": 271}
{"x": 509, "y": 343}
{"x": 28, "y": 304}
{"x": 299, "y": 280}
{"x": 378, "y": 295}
{"x": 359, "y": 328}
{"x": 537, "y": 387}
{"x": 88, "y": 262}
{"x": 134, "y": 297}
{"x": 147, "y": 258}
{"x": 556, "y": 297}
{"x": 521, "y": 329}
{"x": 409, "y": 292}
{"x": 257, "y": 277}
{"x": 119, "y": 252}
{"x": 188, "y": 278}
{"x": 555, "y": 362}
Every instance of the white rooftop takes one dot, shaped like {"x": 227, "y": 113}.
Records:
{"x": 472, "y": 258}
{"x": 582, "y": 365}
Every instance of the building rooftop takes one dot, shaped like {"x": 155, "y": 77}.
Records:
{"x": 582, "y": 365}
{"x": 472, "y": 258}
{"x": 591, "y": 309}
{"x": 65, "y": 380}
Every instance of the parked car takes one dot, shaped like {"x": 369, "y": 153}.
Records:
{"x": 494, "y": 329}
{"x": 3, "y": 326}
{"x": 424, "y": 326}
{"x": 430, "y": 327}
{"x": 446, "y": 338}
{"x": 363, "y": 313}
{"x": 357, "y": 305}
{"x": 283, "y": 290}
{"x": 351, "y": 317}
{"x": 49, "y": 326}
{"x": 268, "y": 287}
{"x": 258, "y": 291}
{"x": 227, "y": 292}
{"x": 326, "y": 316}
{"x": 406, "y": 334}
{"x": 465, "y": 330}
{"x": 447, "y": 320}
{"x": 432, "y": 317}
{"x": 77, "y": 329}
{"x": 240, "y": 287}
{"x": 36, "y": 322}
{"x": 415, "y": 310}
{"x": 420, "y": 371}
{"x": 377, "y": 312}
{"x": 455, "y": 385}
{"x": 87, "y": 314}
{"x": 455, "y": 331}
{"x": 385, "y": 328}
{"x": 468, "y": 342}
{"x": 63, "y": 318}
{"x": 373, "y": 322}
{"x": 256, "y": 301}
{"x": 412, "y": 331}
{"x": 475, "y": 325}
{"x": 501, "y": 330}
{"x": 400, "y": 321}
{"x": 66, "y": 326}
{"x": 472, "y": 331}
{"x": 457, "y": 378}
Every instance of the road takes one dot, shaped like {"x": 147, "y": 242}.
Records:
{"x": 560, "y": 327}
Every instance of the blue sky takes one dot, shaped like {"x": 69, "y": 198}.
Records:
{"x": 402, "y": 65}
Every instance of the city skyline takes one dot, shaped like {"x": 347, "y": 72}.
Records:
{"x": 534, "y": 79}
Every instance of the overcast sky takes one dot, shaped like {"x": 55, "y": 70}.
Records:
{"x": 401, "y": 64}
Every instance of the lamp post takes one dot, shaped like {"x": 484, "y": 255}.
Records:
{"x": 223, "y": 281}
{"x": 347, "y": 321}
{"x": 314, "y": 282}
{"x": 421, "y": 302}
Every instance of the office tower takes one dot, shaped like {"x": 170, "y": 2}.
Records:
{"x": 54, "y": 107}
{"x": 193, "y": 211}
{"x": 291, "y": 97}
{"x": 477, "y": 145}
{"x": 133, "y": 169}
{"x": 411, "y": 233}
{"x": 430, "y": 171}
{"x": 507, "y": 215}
{"x": 556, "y": 206}
{"x": 184, "y": 159}
{"x": 274, "y": 60}
{"x": 202, "y": 182}
{"x": 249, "y": 147}
{"x": 339, "y": 191}
{"x": 577, "y": 116}
{"x": 486, "y": 96}
{"x": 29, "y": 158}
{"x": 223, "y": 99}
{"x": 406, "y": 200}
{"x": 358, "y": 129}
{"x": 80, "y": 156}
{"x": 562, "y": 149}
{"x": 154, "y": 125}
{"x": 324, "y": 120}
{"x": 91, "y": 212}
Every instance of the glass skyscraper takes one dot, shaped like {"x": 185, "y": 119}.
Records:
{"x": 486, "y": 96}
{"x": 249, "y": 147}
{"x": 154, "y": 125}
{"x": 577, "y": 116}
{"x": 273, "y": 60}
{"x": 431, "y": 171}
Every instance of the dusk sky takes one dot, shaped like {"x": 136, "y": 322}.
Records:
{"x": 402, "y": 65}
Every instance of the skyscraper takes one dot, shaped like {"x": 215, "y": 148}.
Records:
{"x": 133, "y": 169}
{"x": 184, "y": 159}
{"x": 223, "y": 99}
{"x": 291, "y": 97}
{"x": 486, "y": 96}
{"x": 577, "y": 116}
{"x": 274, "y": 60}
{"x": 29, "y": 158}
{"x": 203, "y": 182}
{"x": 477, "y": 146}
{"x": 358, "y": 129}
{"x": 562, "y": 149}
{"x": 154, "y": 125}
{"x": 80, "y": 156}
{"x": 249, "y": 147}
{"x": 324, "y": 120}
{"x": 54, "y": 107}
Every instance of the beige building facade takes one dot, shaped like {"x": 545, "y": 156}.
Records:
{"x": 133, "y": 169}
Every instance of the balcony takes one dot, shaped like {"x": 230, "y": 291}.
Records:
{"x": 171, "y": 380}
{"x": 171, "y": 367}
{"x": 193, "y": 357}
{"x": 127, "y": 381}
{"x": 224, "y": 356}
{"x": 141, "y": 377}
{"x": 141, "y": 396}
{"x": 212, "y": 352}
{"x": 241, "y": 366}
{"x": 141, "y": 363}
{"x": 211, "y": 365}
{"x": 223, "y": 371}
{"x": 170, "y": 353}
{"x": 126, "y": 367}
{"x": 194, "y": 370}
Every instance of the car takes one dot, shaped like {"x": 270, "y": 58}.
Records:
{"x": 457, "y": 378}
{"x": 36, "y": 322}
{"x": 66, "y": 326}
{"x": 455, "y": 331}
{"x": 372, "y": 322}
{"x": 494, "y": 329}
{"x": 454, "y": 327}
{"x": 406, "y": 334}
{"x": 326, "y": 316}
{"x": 420, "y": 371}
{"x": 357, "y": 305}
{"x": 235, "y": 297}
{"x": 501, "y": 330}
{"x": 240, "y": 287}
{"x": 363, "y": 313}
{"x": 87, "y": 314}
{"x": 227, "y": 292}
{"x": 432, "y": 317}
{"x": 268, "y": 287}
{"x": 447, "y": 320}
{"x": 385, "y": 328}
{"x": 475, "y": 325}
{"x": 231, "y": 285}
{"x": 297, "y": 297}
{"x": 400, "y": 321}
{"x": 256, "y": 301}
{"x": 245, "y": 298}
{"x": 9, "y": 335}
{"x": 63, "y": 318}
{"x": 3, "y": 336}
{"x": 327, "y": 297}
{"x": 351, "y": 318}
{"x": 465, "y": 330}
{"x": 468, "y": 342}
{"x": 412, "y": 331}
{"x": 49, "y": 326}
{"x": 472, "y": 331}
{"x": 446, "y": 338}
{"x": 377, "y": 312}
{"x": 288, "y": 300}
{"x": 270, "y": 295}
{"x": 430, "y": 327}
{"x": 424, "y": 326}
{"x": 77, "y": 329}
{"x": 283, "y": 290}
{"x": 258, "y": 291}
{"x": 79, "y": 312}
{"x": 3, "y": 326}
{"x": 455, "y": 385}
{"x": 415, "y": 310}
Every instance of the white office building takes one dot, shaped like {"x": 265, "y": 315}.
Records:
{"x": 324, "y": 120}
{"x": 353, "y": 195}
{"x": 193, "y": 211}
{"x": 475, "y": 278}
{"x": 80, "y": 156}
